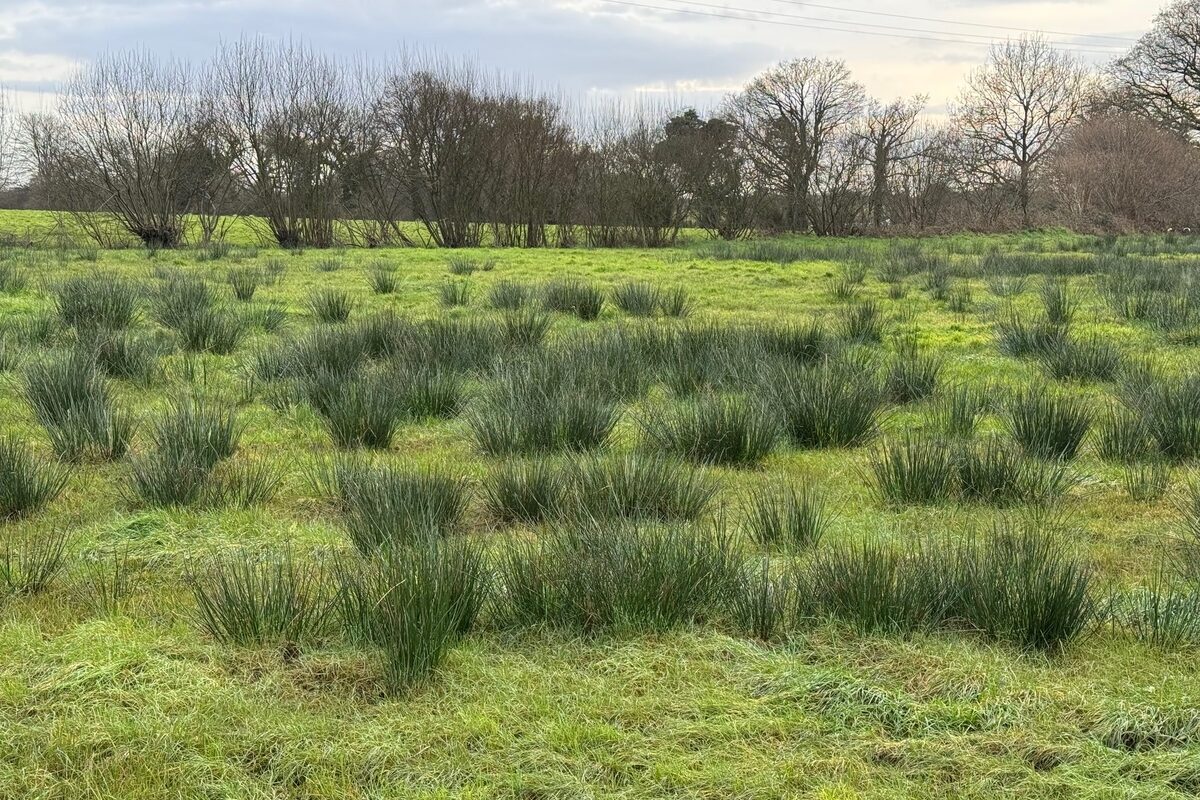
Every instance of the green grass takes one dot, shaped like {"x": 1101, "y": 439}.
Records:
{"x": 707, "y": 688}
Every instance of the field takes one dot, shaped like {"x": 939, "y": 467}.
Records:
{"x": 838, "y": 519}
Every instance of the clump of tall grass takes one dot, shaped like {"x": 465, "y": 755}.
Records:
{"x": 832, "y": 403}
{"x": 413, "y": 604}
{"x": 453, "y": 294}
{"x": 26, "y": 483}
{"x": 244, "y": 282}
{"x": 30, "y": 562}
{"x": 675, "y": 302}
{"x": 1019, "y": 339}
{"x": 1170, "y": 410}
{"x": 386, "y": 505}
{"x": 1164, "y": 614}
{"x": 525, "y": 327}
{"x": 911, "y": 374}
{"x": 801, "y": 342}
{"x": 1048, "y": 424}
{"x": 730, "y": 431}
{"x": 998, "y": 474}
{"x": 1059, "y": 305}
{"x": 466, "y": 265}
{"x": 508, "y": 295}
{"x": 785, "y": 516}
{"x": 635, "y": 486}
{"x": 914, "y": 469}
{"x": 381, "y": 277}
{"x": 358, "y": 410}
{"x": 105, "y": 301}
{"x": 189, "y": 440}
{"x": 617, "y": 576}
{"x": 426, "y": 391}
{"x": 863, "y": 323}
{"x": 525, "y": 491}
{"x": 73, "y": 402}
{"x": 958, "y": 409}
{"x": 248, "y": 599}
{"x": 762, "y": 602}
{"x": 127, "y": 355}
{"x": 1147, "y": 482}
{"x": 529, "y": 409}
{"x": 1090, "y": 359}
{"x": 637, "y": 298}
{"x": 187, "y": 305}
{"x": 1021, "y": 587}
{"x": 330, "y": 305}
{"x": 328, "y": 264}
{"x": 573, "y": 296}
{"x": 1121, "y": 435}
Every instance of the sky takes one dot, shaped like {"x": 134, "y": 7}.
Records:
{"x": 694, "y": 54}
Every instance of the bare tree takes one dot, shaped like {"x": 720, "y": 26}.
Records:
{"x": 1160, "y": 76}
{"x": 789, "y": 115}
{"x": 1120, "y": 171}
{"x": 1016, "y": 107}
{"x": 924, "y": 183}
{"x": 119, "y": 145}
{"x": 8, "y": 140}
{"x": 888, "y": 133}
{"x": 285, "y": 106}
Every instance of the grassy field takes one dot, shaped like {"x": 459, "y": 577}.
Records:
{"x": 112, "y": 683}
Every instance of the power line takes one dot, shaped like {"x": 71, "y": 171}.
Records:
{"x": 847, "y": 10}
{"x": 782, "y": 23}
{"x": 989, "y": 37}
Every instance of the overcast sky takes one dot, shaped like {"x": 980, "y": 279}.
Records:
{"x": 584, "y": 47}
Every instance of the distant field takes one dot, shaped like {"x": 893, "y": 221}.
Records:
{"x": 112, "y": 684}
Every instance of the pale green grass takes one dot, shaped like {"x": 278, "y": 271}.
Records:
{"x": 141, "y": 705}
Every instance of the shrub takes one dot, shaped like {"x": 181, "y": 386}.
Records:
{"x": 863, "y": 323}
{"x": 413, "y": 604}
{"x": 245, "y": 599}
{"x": 330, "y": 305}
{"x": 525, "y": 491}
{"x": 26, "y": 484}
{"x": 573, "y": 296}
{"x": 640, "y": 487}
{"x": 915, "y": 469}
{"x": 713, "y": 430}
{"x": 508, "y": 295}
{"x": 389, "y": 505}
{"x": 598, "y": 577}
{"x": 911, "y": 374}
{"x": 244, "y": 281}
{"x": 833, "y": 403}
{"x": 1047, "y": 424}
{"x": 786, "y": 516}
{"x": 454, "y": 293}
{"x": 637, "y": 298}
{"x": 72, "y": 401}
{"x": 97, "y": 301}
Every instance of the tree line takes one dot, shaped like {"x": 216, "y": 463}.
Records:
{"x": 314, "y": 151}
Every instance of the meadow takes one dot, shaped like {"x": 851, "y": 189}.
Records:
{"x": 780, "y": 518}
